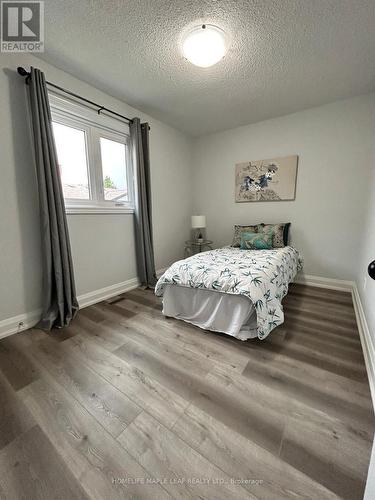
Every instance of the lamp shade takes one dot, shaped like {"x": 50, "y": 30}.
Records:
{"x": 198, "y": 221}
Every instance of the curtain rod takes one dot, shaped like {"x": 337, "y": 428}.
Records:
{"x": 21, "y": 71}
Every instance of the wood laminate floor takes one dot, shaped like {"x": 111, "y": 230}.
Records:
{"x": 128, "y": 404}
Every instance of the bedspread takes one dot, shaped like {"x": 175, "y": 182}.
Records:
{"x": 261, "y": 275}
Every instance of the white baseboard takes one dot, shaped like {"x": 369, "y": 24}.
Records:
{"x": 28, "y": 320}
{"x": 367, "y": 340}
{"x": 19, "y": 323}
{"x": 90, "y": 298}
{"x": 329, "y": 283}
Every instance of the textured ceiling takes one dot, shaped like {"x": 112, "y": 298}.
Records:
{"x": 285, "y": 55}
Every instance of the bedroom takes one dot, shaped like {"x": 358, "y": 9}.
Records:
{"x": 125, "y": 401}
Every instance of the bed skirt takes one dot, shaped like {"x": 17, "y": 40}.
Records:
{"x": 234, "y": 315}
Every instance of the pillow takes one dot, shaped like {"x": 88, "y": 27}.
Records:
{"x": 256, "y": 241}
{"x": 240, "y": 229}
{"x": 286, "y": 234}
{"x": 279, "y": 232}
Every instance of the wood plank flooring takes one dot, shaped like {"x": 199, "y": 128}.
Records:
{"x": 128, "y": 404}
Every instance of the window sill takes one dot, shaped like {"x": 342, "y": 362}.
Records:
{"x": 75, "y": 210}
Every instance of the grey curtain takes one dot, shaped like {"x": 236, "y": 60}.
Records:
{"x": 59, "y": 295}
{"x": 139, "y": 134}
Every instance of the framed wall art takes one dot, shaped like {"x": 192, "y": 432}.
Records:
{"x": 266, "y": 180}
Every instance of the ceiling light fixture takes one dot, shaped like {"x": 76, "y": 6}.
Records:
{"x": 205, "y": 45}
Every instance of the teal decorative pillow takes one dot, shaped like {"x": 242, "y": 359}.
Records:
{"x": 238, "y": 230}
{"x": 256, "y": 241}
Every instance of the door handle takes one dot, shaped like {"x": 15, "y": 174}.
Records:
{"x": 371, "y": 269}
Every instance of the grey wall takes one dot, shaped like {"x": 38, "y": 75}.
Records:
{"x": 102, "y": 245}
{"x": 335, "y": 144}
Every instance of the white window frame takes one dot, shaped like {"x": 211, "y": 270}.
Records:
{"x": 95, "y": 126}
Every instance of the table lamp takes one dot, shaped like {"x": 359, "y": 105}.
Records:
{"x": 198, "y": 222}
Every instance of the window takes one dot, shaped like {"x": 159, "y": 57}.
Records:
{"x": 72, "y": 161}
{"x": 113, "y": 166}
{"x": 93, "y": 158}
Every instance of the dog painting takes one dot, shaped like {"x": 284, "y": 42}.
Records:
{"x": 267, "y": 180}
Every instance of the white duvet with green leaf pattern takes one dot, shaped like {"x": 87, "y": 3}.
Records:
{"x": 261, "y": 275}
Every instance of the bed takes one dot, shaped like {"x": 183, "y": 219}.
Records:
{"x": 230, "y": 290}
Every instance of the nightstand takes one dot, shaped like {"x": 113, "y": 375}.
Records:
{"x": 192, "y": 246}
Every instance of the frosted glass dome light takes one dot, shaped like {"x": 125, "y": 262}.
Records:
{"x": 205, "y": 45}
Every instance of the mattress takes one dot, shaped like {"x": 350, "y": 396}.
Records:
{"x": 234, "y": 315}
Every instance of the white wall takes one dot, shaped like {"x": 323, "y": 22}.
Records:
{"x": 335, "y": 144}
{"x": 102, "y": 245}
{"x": 366, "y": 285}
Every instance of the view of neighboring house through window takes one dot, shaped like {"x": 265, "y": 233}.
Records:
{"x": 113, "y": 166}
{"x": 72, "y": 158}
{"x": 93, "y": 159}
